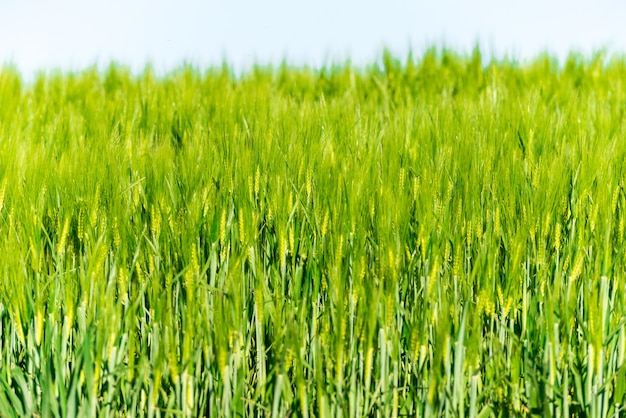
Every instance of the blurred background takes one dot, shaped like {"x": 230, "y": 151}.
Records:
{"x": 40, "y": 35}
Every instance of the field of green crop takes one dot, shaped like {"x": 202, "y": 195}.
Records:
{"x": 433, "y": 236}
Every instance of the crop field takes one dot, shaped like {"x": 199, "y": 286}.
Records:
{"x": 431, "y": 236}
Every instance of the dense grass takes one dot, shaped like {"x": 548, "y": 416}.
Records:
{"x": 437, "y": 236}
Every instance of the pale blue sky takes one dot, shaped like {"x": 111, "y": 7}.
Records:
{"x": 72, "y": 34}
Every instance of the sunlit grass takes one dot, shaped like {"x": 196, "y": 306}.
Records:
{"x": 437, "y": 236}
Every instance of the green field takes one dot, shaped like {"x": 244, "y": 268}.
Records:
{"x": 432, "y": 236}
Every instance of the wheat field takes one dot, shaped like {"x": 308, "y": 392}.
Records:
{"x": 430, "y": 236}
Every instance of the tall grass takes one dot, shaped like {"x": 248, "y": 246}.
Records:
{"x": 437, "y": 236}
